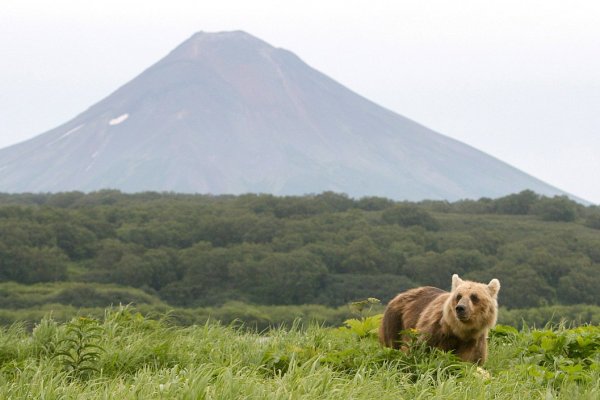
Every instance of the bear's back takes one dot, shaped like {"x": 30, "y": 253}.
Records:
{"x": 413, "y": 302}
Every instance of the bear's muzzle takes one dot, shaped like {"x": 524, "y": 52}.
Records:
{"x": 461, "y": 312}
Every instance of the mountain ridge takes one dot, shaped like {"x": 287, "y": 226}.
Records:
{"x": 228, "y": 113}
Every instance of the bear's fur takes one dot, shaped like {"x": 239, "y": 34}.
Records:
{"x": 456, "y": 321}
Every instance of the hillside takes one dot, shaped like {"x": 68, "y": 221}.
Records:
{"x": 192, "y": 251}
{"x": 227, "y": 113}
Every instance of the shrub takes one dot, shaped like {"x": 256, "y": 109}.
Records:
{"x": 558, "y": 208}
{"x": 410, "y": 215}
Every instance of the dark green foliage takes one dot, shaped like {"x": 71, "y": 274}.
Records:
{"x": 558, "y": 208}
{"x": 281, "y": 278}
{"x": 435, "y": 269}
{"x": 593, "y": 221}
{"x": 516, "y": 204}
{"x": 410, "y": 215}
{"x": 76, "y": 241}
{"x": 361, "y": 256}
{"x": 344, "y": 288}
{"x": 374, "y": 203}
{"x": 521, "y": 285}
{"x": 577, "y": 287}
{"x": 201, "y": 251}
{"x": 32, "y": 264}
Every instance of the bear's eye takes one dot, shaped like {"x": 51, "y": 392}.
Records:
{"x": 474, "y": 298}
{"x": 458, "y": 297}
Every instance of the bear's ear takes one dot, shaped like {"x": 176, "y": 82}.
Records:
{"x": 494, "y": 287}
{"x": 456, "y": 281}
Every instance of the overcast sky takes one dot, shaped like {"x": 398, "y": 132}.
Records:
{"x": 519, "y": 80}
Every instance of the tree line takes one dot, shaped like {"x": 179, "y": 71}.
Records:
{"x": 328, "y": 249}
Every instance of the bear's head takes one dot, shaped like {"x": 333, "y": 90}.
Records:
{"x": 472, "y": 306}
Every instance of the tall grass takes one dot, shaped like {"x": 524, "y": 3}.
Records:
{"x": 140, "y": 358}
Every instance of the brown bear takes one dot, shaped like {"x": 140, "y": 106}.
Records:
{"x": 458, "y": 321}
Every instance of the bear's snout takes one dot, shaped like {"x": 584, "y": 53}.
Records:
{"x": 461, "y": 312}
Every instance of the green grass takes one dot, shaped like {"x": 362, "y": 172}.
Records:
{"x": 132, "y": 357}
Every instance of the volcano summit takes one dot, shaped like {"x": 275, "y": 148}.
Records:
{"x": 228, "y": 113}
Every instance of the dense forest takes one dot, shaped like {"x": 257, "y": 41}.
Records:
{"x": 325, "y": 249}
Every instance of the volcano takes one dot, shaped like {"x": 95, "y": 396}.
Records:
{"x": 227, "y": 113}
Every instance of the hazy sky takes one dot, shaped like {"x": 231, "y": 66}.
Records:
{"x": 519, "y": 80}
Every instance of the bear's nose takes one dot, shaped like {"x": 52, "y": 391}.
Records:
{"x": 460, "y": 309}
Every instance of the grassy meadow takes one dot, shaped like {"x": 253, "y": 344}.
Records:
{"x": 127, "y": 356}
{"x": 245, "y": 297}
